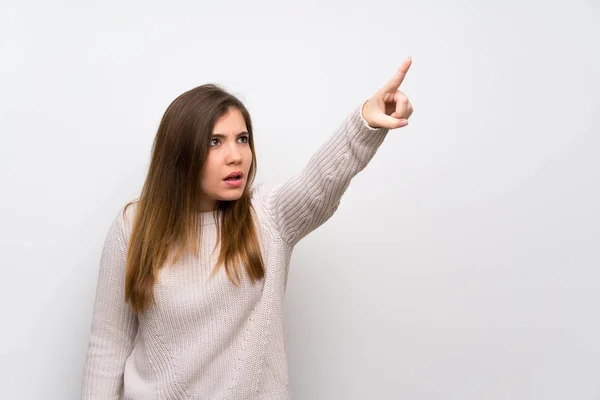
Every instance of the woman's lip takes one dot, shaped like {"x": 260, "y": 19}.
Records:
{"x": 236, "y": 173}
{"x": 234, "y": 182}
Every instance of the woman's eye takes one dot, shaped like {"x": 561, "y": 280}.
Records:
{"x": 214, "y": 142}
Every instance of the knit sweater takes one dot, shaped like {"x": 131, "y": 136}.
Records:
{"x": 208, "y": 339}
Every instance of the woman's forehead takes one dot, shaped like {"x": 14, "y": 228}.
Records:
{"x": 231, "y": 123}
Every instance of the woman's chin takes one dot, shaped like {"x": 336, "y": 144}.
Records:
{"x": 232, "y": 194}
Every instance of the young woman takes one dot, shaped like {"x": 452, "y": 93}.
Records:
{"x": 189, "y": 302}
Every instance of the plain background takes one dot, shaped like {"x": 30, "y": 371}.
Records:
{"x": 462, "y": 263}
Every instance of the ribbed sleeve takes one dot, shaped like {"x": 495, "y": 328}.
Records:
{"x": 304, "y": 202}
{"x": 114, "y": 325}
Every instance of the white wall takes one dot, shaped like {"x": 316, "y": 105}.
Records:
{"x": 463, "y": 262}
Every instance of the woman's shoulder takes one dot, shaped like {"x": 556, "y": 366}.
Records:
{"x": 123, "y": 220}
{"x": 127, "y": 211}
{"x": 263, "y": 191}
{"x": 259, "y": 195}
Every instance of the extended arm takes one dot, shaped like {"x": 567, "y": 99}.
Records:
{"x": 304, "y": 202}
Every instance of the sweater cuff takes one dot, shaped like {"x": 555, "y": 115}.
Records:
{"x": 362, "y": 119}
{"x": 360, "y": 132}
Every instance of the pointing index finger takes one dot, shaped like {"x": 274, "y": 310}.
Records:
{"x": 395, "y": 82}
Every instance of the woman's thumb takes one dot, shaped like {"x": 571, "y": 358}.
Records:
{"x": 392, "y": 122}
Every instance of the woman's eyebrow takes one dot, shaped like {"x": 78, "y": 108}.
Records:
{"x": 222, "y": 136}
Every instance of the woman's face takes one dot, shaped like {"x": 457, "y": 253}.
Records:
{"x": 229, "y": 151}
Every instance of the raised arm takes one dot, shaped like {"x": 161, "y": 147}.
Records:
{"x": 304, "y": 202}
{"x": 114, "y": 325}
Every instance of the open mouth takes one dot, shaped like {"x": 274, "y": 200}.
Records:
{"x": 234, "y": 177}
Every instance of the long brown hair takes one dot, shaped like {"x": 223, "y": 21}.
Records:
{"x": 167, "y": 222}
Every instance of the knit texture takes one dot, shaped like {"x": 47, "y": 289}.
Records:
{"x": 208, "y": 339}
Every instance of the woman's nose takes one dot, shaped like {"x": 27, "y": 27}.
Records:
{"x": 234, "y": 154}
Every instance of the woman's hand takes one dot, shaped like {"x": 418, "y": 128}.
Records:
{"x": 389, "y": 107}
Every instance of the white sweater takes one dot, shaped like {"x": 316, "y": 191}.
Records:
{"x": 210, "y": 339}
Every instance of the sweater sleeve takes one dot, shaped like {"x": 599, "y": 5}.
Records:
{"x": 114, "y": 324}
{"x": 304, "y": 202}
